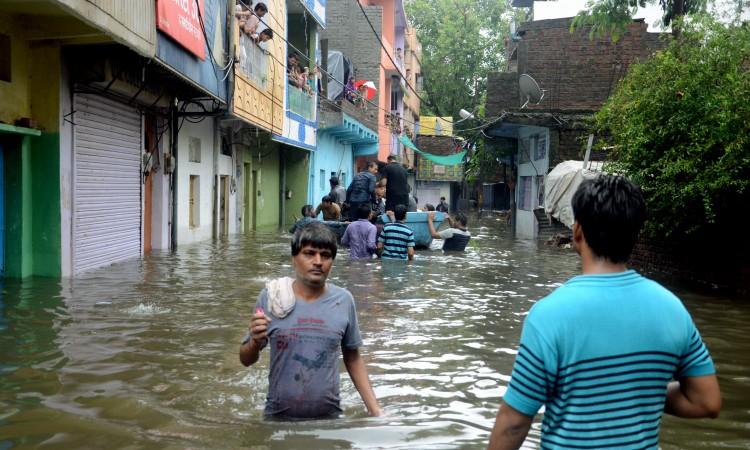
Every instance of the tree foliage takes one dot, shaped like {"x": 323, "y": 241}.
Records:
{"x": 613, "y": 16}
{"x": 462, "y": 40}
{"x": 679, "y": 125}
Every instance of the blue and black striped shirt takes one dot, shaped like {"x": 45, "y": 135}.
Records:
{"x": 598, "y": 353}
{"x": 396, "y": 239}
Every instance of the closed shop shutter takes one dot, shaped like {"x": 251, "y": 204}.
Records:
{"x": 107, "y": 183}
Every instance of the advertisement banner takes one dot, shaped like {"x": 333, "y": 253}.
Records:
{"x": 179, "y": 20}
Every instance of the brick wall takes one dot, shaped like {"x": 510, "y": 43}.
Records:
{"x": 579, "y": 73}
{"x": 691, "y": 262}
{"x": 502, "y": 93}
{"x": 437, "y": 145}
{"x": 576, "y": 73}
{"x": 348, "y": 31}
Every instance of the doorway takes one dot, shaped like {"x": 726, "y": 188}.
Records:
{"x": 247, "y": 200}
{"x": 223, "y": 205}
{"x": 150, "y": 152}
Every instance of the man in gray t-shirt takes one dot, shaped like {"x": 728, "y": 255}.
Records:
{"x": 307, "y": 334}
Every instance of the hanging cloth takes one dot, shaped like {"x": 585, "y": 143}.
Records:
{"x": 443, "y": 160}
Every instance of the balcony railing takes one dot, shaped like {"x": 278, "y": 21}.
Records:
{"x": 253, "y": 61}
{"x": 301, "y": 103}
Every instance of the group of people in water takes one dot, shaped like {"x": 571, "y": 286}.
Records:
{"x": 377, "y": 211}
{"x": 606, "y": 353}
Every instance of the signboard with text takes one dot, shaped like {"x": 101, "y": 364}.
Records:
{"x": 180, "y": 20}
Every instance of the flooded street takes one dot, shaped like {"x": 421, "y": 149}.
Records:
{"x": 144, "y": 354}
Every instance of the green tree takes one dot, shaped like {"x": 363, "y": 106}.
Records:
{"x": 679, "y": 125}
{"x": 462, "y": 40}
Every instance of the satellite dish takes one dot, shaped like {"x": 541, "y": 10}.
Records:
{"x": 530, "y": 90}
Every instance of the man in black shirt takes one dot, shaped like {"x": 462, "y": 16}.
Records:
{"x": 362, "y": 189}
{"x": 394, "y": 180}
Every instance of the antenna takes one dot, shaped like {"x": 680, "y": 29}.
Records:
{"x": 530, "y": 90}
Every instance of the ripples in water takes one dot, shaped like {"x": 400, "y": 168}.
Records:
{"x": 144, "y": 354}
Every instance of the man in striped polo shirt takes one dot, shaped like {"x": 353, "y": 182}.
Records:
{"x": 609, "y": 351}
{"x": 397, "y": 240}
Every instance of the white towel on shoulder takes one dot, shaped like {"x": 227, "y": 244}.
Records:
{"x": 281, "y": 297}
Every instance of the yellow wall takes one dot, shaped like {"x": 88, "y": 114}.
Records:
{"x": 15, "y": 95}
{"x": 428, "y": 126}
{"x": 264, "y": 107}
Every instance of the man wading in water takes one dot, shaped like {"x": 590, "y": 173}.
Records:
{"x": 308, "y": 322}
{"x": 601, "y": 351}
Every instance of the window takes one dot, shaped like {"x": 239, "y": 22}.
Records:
{"x": 342, "y": 179}
{"x": 540, "y": 149}
{"x": 540, "y": 191}
{"x": 524, "y": 194}
{"x": 195, "y": 149}
{"x": 525, "y": 147}
{"x": 195, "y": 201}
{"x": 322, "y": 180}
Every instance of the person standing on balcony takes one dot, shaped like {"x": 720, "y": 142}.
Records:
{"x": 394, "y": 179}
{"x": 253, "y": 23}
{"x": 362, "y": 189}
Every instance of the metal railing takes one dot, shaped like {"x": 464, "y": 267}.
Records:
{"x": 301, "y": 103}
{"x": 253, "y": 61}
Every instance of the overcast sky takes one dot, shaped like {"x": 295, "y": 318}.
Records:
{"x": 651, "y": 13}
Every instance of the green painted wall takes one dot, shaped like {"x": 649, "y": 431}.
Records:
{"x": 297, "y": 173}
{"x": 18, "y": 262}
{"x": 45, "y": 197}
{"x": 267, "y": 167}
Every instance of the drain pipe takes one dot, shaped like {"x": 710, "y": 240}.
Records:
{"x": 173, "y": 144}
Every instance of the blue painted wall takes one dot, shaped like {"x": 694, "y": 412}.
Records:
{"x": 330, "y": 156}
{"x": 206, "y": 73}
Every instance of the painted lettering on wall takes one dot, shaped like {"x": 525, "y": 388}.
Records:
{"x": 179, "y": 19}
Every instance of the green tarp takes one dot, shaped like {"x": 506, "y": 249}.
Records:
{"x": 447, "y": 160}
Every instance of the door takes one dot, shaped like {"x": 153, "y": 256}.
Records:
{"x": 248, "y": 200}
{"x": 223, "y": 205}
{"x": 254, "y": 182}
{"x": 107, "y": 182}
{"x": 150, "y": 153}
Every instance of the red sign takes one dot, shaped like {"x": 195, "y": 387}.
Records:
{"x": 179, "y": 19}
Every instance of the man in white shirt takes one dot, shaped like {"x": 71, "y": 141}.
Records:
{"x": 456, "y": 236}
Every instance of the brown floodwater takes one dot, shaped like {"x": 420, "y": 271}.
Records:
{"x": 143, "y": 354}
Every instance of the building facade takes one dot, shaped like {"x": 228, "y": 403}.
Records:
{"x": 576, "y": 75}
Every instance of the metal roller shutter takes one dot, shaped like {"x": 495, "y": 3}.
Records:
{"x": 107, "y": 187}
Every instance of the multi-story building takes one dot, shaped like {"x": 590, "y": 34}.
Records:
{"x": 103, "y": 98}
{"x": 413, "y": 64}
{"x": 576, "y": 75}
{"x": 378, "y": 57}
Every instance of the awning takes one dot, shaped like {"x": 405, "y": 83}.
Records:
{"x": 443, "y": 160}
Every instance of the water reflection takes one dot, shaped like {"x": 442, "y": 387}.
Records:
{"x": 144, "y": 354}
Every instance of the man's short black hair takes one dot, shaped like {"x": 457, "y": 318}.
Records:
{"x": 393, "y": 158}
{"x": 268, "y": 32}
{"x": 327, "y": 199}
{"x": 429, "y": 207}
{"x": 372, "y": 164}
{"x": 307, "y": 211}
{"x": 611, "y": 211}
{"x": 363, "y": 211}
{"x": 442, "y": 198}
{"x": 316, "y": 235}
{"x": 334, "y": 180}
{"x": 461, "y": 218}
{"x": 400, "y": 212}
{"x": 261, "y": 7}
